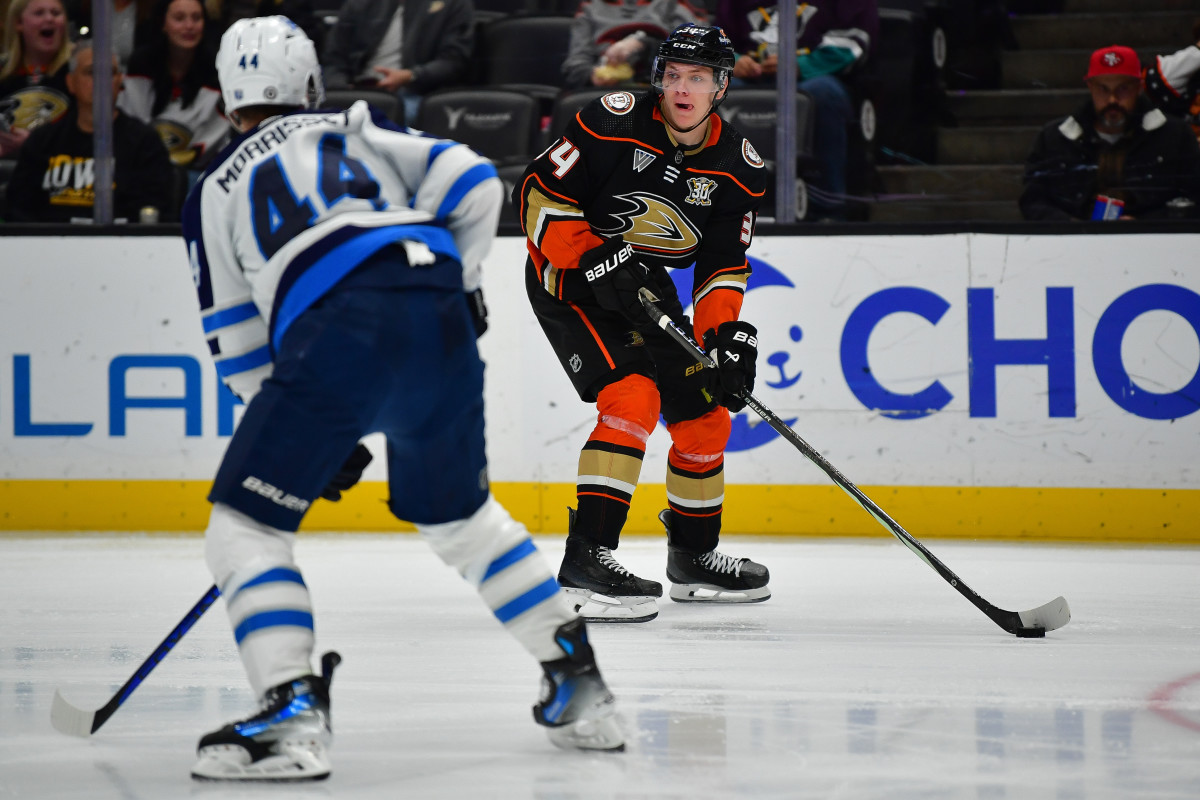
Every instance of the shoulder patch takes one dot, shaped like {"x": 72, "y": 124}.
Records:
{"x": 751, "y": 155}
{"x": 618, "y": 103}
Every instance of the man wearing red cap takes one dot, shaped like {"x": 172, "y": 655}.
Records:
{"x": 1117, "y": 157}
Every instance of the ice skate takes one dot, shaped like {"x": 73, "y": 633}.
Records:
{"x": 599, "y": 587}
{"x": 576, "y": 706}
{"x": 288, "y": 740}
{"x": 713, "y": 577}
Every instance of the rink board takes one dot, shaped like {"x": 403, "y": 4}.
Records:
{"x": 974, "y": 385}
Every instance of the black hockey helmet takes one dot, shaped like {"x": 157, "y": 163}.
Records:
{"x": 696, "y": 44}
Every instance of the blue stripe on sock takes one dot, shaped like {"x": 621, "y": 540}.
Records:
{"x": 276, "y": 575}
{"x": 273, "y": 619}
{"x": 505, "y": 561}
{"x": 514, "y": 608}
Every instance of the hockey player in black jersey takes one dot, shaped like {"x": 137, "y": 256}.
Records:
{"x": 640, "y": 183}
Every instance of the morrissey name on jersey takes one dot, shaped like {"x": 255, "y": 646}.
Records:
{"x": 264, "y": 142}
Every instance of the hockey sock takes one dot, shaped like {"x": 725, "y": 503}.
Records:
{"x": 695, "y": 498}
{"x": 696, "y": 480}
{"x": 495, "y": 554}
{"x": 265, "y": 596}
{"x": 611, "y": 461}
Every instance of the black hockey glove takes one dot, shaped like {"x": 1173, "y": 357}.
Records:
{"x": 615, "y": 275}
{"x": 478, "y": 311}
{"x": 349, "y": 474}
{"x": 734, "y": 348}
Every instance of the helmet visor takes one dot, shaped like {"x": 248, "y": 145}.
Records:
{"x": 690, "y": 78}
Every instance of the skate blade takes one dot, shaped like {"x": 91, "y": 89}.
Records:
{"x": 297, "y": 761}
{"x": 707, "y": 593}
{"x": 589, "y": 734}
{"x": 595, "y": 607}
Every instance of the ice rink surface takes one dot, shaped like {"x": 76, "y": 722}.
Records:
{"x": 865, "y": 676}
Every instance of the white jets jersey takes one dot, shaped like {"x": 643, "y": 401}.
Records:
{"x": 290, "y": 208}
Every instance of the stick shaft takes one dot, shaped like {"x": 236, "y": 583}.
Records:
{"x": 1008, "y": 620}
{"x": 197, "y": 611}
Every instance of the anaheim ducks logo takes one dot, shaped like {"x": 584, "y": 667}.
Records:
{"x": 178, "y": 141}
{"x": 34, "y": 106}
{"x": 655, "y": 224}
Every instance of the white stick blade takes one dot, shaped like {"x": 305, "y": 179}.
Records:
{"x": 70, "y": 720}
{"x": 1050, "y": 617}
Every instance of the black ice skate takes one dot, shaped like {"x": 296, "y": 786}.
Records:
{"x": 288, "y": 740}
{"x": 713, "y": 577}
{"x": 576, "y": 707}
{"x": 599, "y": 587}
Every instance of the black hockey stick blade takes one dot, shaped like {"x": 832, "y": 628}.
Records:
{"x": 73, "y": 721}
{"x": 1030, "y": 624}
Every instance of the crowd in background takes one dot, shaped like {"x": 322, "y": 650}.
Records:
{"x": 166, "y": 82}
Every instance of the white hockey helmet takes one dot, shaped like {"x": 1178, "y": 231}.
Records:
{"x": 268, "y": 61}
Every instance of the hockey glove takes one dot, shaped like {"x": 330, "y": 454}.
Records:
{"x": 349, "y": 474}
{"x": 479, "y": 311}
{"x": 615, "y": 275}
{"x": 733, "y": 346}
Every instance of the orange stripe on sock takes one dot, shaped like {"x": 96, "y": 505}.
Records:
{"x": 605, "y": 496}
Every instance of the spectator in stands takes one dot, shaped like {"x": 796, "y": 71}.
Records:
{"x": 614, "y": 41}
{"x": 410, "y": 47}
{"x": 131, "y": 22}
{"x": 33, "y": 72}
{"x": 834, "y": 39}
{"x": 1173, "y": 82}
{"x": 55, "y": 173}
{"x": 172, "y": 85}
{"x": 1116, "y": 157}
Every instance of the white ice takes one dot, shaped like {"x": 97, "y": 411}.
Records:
{"x": 864, "y": 676}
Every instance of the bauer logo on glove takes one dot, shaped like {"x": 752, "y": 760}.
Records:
{"x": 610, "y": 263}
{"x": 615, "y": 277}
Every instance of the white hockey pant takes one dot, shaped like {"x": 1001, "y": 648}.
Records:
{"x": 268, "y": 603}
{"x": 495, "y": 554}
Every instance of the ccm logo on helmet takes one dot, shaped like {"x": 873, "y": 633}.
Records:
{"x": 609, "y": 264}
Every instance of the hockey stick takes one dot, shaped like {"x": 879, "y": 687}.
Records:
{"x": 1026, "y": 624}
{"x": 73, "y": 721}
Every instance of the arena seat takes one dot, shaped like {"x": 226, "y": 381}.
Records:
{"x": 567, "y": 105}
{"x": 755, "y": 113}
{"x": 386, "y": 102}
{"x": 525, "y": 54}
{"x": 503, "y": 125}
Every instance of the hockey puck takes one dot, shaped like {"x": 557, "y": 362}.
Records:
{"x": 1030, "y": 633}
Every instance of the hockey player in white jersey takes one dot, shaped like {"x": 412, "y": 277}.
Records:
{"x": 335, "y": 257}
